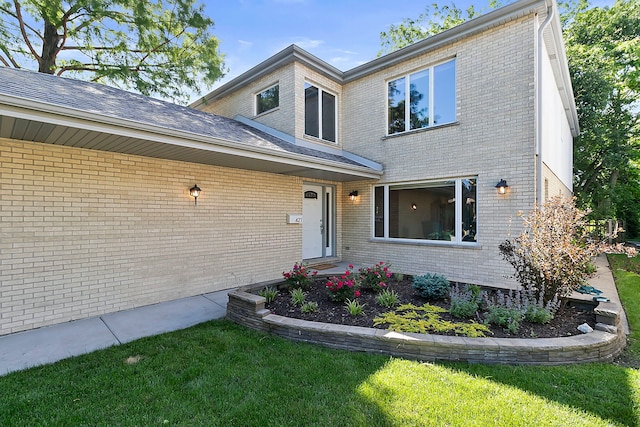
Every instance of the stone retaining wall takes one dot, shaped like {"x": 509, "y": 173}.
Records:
{"x": 601, "y": 345}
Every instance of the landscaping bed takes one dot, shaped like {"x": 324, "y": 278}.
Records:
{"x": 565, "y": 322}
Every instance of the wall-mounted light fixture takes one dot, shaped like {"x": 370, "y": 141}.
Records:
{"x": 353, "y": 195}
{"x": 502, "y": 186}
{"x": 195, "y": 192}
{"x": 414, "y": 206}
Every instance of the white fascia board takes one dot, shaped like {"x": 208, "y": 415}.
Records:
{"x": 36, "y": 111}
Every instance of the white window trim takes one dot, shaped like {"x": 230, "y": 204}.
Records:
{"x": 407, "y": 91}
{"x": 335, "y": 113}
{"x": 255, "y": 99}
{"x": 458, "y": 214}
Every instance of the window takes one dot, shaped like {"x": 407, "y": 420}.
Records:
{"x": 422, "y": 99}
{"x": 440, "y": 210}
{"x": 319, "y": 113}
{"x": 268, "y": 99}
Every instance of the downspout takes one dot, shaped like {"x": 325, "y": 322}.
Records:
{"x": 538, "y": 106}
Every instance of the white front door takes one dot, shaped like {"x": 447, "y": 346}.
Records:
{"x": 313, "y": 221}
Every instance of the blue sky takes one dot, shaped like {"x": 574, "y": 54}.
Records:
{"x": 344, "y": 33}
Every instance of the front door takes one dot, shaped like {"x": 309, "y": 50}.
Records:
{"x": 317, "y": 221}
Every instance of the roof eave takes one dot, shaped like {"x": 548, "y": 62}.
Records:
{"x": 63, "y": 116}
{"x": 286, "y": 56}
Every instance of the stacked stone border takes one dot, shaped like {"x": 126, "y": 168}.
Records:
{"x": 608, "y": 339}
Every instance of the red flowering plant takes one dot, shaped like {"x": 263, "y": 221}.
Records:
{"x": 375, "y": 278}
{"x": 299, "y": 276}
{"x": 344, "y": 287}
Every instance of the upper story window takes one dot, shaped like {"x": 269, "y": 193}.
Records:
{"x": 433, "y": 210}
{"x": 320, "y": 113}
{"x": 268, "y": 99}
{"x": 422, "y": 99}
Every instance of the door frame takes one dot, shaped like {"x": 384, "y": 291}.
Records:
{"x": 329, "y": 217}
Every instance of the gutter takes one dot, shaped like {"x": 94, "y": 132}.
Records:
{"x": 538, "y": 104}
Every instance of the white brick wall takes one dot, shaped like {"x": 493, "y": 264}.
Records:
{"x": 86, "y": 232}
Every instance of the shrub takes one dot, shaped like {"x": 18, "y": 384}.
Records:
{"x": 465, "y": 301}
{"x": 553, "y": 253}
{"x": 343, "y": 287}
{"x": 299, "y": 276}
{"x": 268, "y": 293}
{"x": 309, "y": 307}
{"x": 375, "y": 277}
{"x": 507, "y": 317}
{"x": 297, "y": 296}
{"x": 431, "y": 286}
{"x": 387, "y": 298}
{"x": 354, "y": 308}
{"x": 535, "y": 314}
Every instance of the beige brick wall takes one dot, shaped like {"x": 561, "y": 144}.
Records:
{"x": 242, "y": 101}
{"x": 493, "y": 139}
{"x": 553, "y": 186}
{"x": 289, "y": 117}
{"x": 86, "y": 232}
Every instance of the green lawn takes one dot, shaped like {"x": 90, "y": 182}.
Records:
{"x": 220, "y": 374}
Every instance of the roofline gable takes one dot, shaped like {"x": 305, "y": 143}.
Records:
{"x": 295, "y": 53}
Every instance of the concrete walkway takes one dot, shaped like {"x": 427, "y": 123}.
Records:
{"x": 50, "y": 344}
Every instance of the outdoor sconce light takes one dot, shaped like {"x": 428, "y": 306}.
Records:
{"x": 414, "y": 206}
{"x": 195, "y": 192}
{"x": 353, "y": 195}
{"x": 502, "y": 186}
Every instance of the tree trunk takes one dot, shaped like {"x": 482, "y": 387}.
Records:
{"x": 50, "y": 49}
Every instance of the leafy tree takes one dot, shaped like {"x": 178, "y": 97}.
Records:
{"x": 434, "y": 20}
{"x": 156, "y": 47}
{"x": 603, "y": 48}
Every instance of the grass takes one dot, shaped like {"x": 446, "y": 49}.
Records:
{"x": 627, "y": 275}
{"x": 220, "y": 374}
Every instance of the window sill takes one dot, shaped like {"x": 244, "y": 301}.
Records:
{"x": 320, "y": 140}
{"x": 432, "y": 243}
{"x": 414, "y": 131}
{"x": 264, "y": 113}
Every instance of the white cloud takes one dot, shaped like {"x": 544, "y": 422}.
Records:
{"x": 308, "y": 44}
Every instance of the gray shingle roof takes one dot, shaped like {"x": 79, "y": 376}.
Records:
{"x": 105, "y": 101}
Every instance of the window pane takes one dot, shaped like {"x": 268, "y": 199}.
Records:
{"x": 311, "y": 126}
{"x": 444, "y": 93}
{"x": 423, "y": 213}
{"x": 379, "y": 212}
{"x": 396, "y": 100}
{"x": 328, "y": 117}
{"x": 419, "y": 99}
{"x": 469, "y": 228}
{"x": 267, "y": 100}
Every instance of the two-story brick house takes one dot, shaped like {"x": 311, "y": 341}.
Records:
{"x": 396, "y": 160}
{"x": 448, "y": 118}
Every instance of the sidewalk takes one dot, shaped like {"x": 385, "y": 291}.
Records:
{"x": 36, "y": 347}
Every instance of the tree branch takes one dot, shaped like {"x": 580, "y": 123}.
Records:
{"x": 22, "y": 30}
{"x": 9, "y": 58}
{"x": 27, "y": 26}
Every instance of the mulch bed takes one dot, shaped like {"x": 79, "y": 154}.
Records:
{"x": 564, "y": 324}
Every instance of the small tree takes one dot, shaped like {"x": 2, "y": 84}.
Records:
{"x": 553, "y": 253}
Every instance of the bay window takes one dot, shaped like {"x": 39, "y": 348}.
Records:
{"x": 433, "y": 210}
